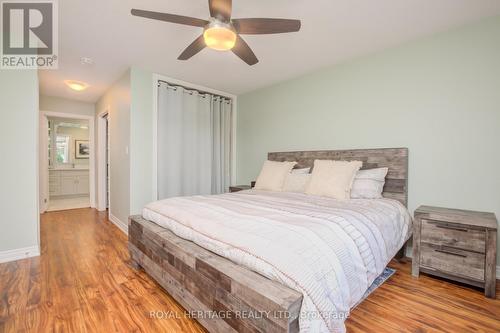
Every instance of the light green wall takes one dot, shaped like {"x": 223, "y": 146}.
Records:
{"x": 141, "y": 139}
{"x": 58, "y": 104}
{"x": 439, "y": 96}
{"x": 18, "y": 148}
{"x": 130, "y": 106}
{"x": 116, "y": 101}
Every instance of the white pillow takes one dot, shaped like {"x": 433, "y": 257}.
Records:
{"x": 296, "y": 182}
{"x": 333, "y": 178}
{"x": 369, "y": 184}
{"x": 301, "y": 171}
{"x": 273, "y": 174}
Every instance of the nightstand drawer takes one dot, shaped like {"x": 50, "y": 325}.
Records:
{"x": 457, "y": 236}
{"x": 453, "y": 261}
{"x": 456, "y": 244}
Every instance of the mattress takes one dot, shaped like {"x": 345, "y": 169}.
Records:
{"x": 329, "y": 250}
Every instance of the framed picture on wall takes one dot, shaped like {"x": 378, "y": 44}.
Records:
{"x": 82, "y": 149}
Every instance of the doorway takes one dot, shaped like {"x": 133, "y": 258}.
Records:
{"x": 66, "y": 161}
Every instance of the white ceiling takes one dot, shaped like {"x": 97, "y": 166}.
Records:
{"x": 332, "y": 31}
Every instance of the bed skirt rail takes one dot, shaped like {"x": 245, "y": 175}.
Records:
{"x": 221, "y": 295}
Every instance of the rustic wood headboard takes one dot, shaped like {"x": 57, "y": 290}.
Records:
{"x": 396, "y": 159}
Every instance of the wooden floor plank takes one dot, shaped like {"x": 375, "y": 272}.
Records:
{"x": 83, "y": 282}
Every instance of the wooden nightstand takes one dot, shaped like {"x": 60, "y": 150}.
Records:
{"x": 238, "y": 188}
{"x": 456, "y": 244}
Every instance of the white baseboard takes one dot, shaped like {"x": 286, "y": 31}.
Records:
{"x": 116, "y": 221}
{"x": 17, "y": 254}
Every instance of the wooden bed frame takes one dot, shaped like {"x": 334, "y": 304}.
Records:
{"x": 206, "y": 284}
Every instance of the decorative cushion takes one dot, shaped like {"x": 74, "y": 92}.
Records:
{"x": 369, "y": 184}
{"x": 273, "y": 174}
{"x": 296, "y": 182}
{"x": 333, "y": 178}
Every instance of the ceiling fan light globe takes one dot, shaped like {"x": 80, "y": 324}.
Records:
{"x": 219, "y": 38}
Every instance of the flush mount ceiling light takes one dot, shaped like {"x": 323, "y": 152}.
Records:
{"x": 222, "y": 32}
{"x": 76, "y": 85}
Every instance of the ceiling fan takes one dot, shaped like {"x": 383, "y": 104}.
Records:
{"x": 223, "y": 33}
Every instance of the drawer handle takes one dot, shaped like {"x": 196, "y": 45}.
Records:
{"x": 452, "y": 253}
{"x": 451, "y": 228}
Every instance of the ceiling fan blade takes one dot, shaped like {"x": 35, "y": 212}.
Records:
{"x": 221, "y": 9}
{"x": 172, "y": 18}
{"x": 193, "y": 48}
{"x": 258, "y": 26}
{"x": 242, "y": 50}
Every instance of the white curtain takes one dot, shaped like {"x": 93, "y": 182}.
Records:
{"x": 194, "y": 142}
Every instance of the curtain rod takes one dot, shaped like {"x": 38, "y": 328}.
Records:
{"x": 193, "y": 89}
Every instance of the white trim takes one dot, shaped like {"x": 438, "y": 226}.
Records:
{"x": 409, "y": 251}
{"x": 101, "y": 161}
{"x": 120, "y": 224}
{"x": 234, "y": 98}
{"x": 154, "y": 133}
{"x": 498, "y": 272}
{"x": 234, "y": 139}
{"x": 18, "y": 254}
{"x": 37, "y": 173}
{"x": 92, "y": 164}
{"x": 43, "y": 164}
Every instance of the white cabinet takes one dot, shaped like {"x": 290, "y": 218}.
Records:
{"x": 68, "y": 182}
{"x": 54, "y": 183}
{"x": 82, "y": 186}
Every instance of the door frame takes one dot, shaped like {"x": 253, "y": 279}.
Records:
{"x": 44, "y": 168}
{"x": 101, "y": 161}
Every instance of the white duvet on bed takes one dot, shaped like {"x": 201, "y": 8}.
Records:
{"x": 329, "y": 250}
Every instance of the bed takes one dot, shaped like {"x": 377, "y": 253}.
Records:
{"x": 258, "y": 261}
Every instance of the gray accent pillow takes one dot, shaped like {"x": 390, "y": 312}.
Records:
{"x": 369, "y": 184}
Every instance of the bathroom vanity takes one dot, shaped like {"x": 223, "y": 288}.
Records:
{"x": 67, "y": 181}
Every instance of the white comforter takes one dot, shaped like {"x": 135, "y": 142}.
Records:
{"x": 329, "y": 250}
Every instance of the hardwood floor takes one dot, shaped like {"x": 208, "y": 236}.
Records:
{"x": 83, "y": 282}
